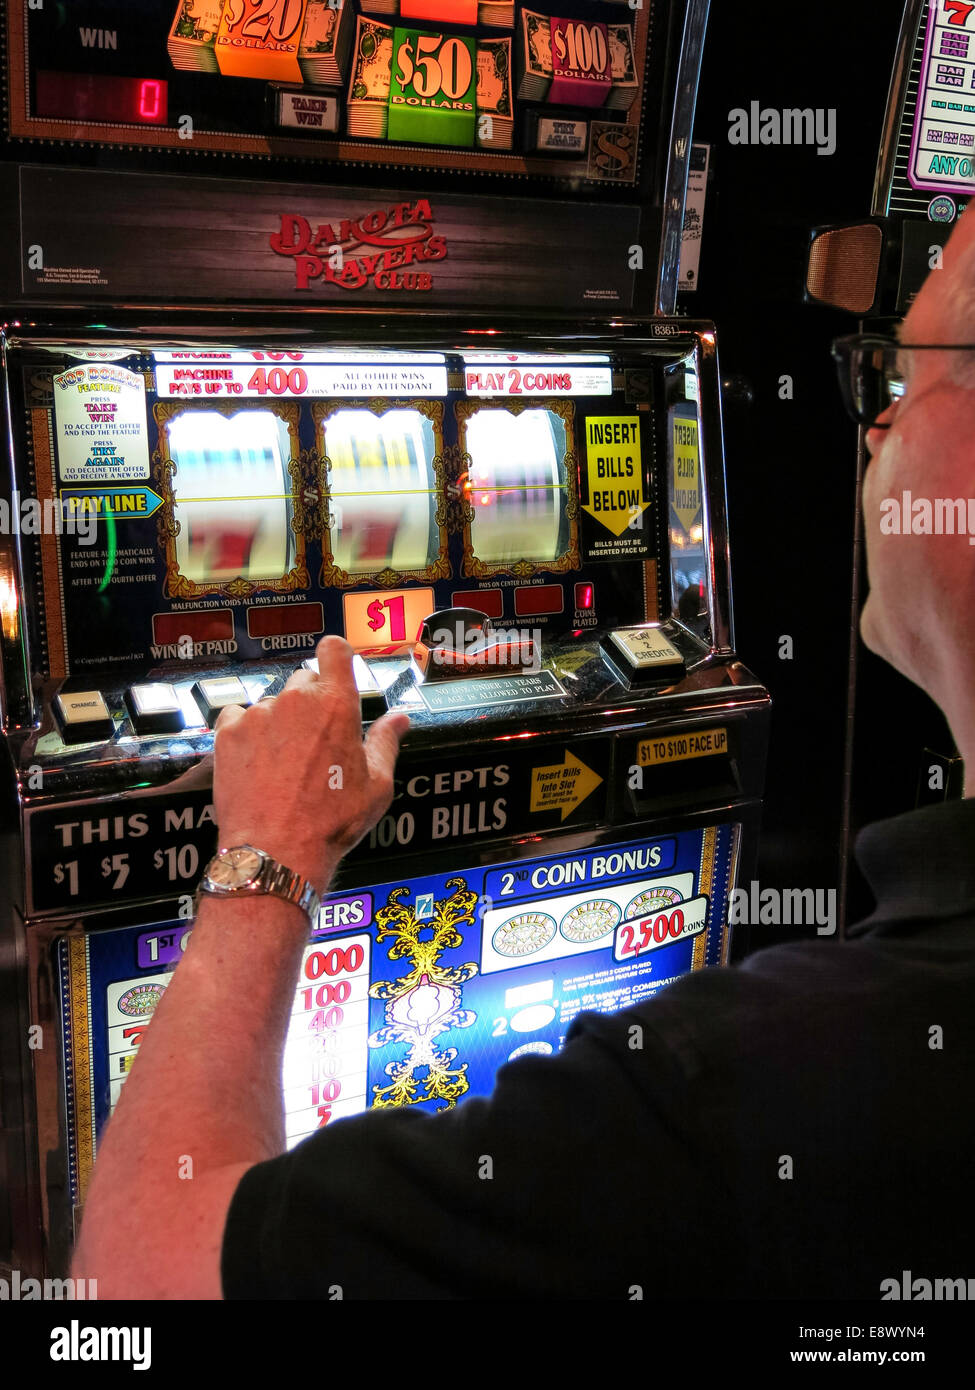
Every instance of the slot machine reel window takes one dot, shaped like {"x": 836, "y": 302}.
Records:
{"x": 383, "y": 483}
{"x": 230, "y": 479}
{"x": 521, "y": 508}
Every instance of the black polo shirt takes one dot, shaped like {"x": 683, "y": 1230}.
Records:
{"x": 799, "y": 1126}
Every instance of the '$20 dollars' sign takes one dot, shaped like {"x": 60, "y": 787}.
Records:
{"x": 259, "y": 38}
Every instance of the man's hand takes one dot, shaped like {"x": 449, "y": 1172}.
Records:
{"x": 292, "y": 774}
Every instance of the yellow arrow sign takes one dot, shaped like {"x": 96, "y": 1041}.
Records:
{"x": 615, "y": 471}
{"x": 564, "y": 786}
{"x": 686, "y": 497}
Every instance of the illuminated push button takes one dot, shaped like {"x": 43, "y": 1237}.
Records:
{"x": 214, "y": 695}
{"x": 83, "y": 716}
{"x": 155, "y": 709}
{"x": 372, "y": 697}
{"x": 645, "y": 653}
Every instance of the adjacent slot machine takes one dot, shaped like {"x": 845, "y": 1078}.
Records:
{"x": 242, "y": 413}
{"x": 873, "y": 268}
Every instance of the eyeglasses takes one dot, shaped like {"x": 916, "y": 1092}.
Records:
{"x": 871, "y": 372}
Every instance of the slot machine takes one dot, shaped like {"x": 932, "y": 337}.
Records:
{"x": 873, "y": 268}
{"x": 244, "y": 412}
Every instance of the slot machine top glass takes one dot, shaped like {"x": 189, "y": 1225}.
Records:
{"x": 594, "y": 101}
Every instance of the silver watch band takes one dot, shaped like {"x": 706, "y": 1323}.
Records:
{"x": 283, "y": 882}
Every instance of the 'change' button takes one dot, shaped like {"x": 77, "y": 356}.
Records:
{"x": 83, "y": 716}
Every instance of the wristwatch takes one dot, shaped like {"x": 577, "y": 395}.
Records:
{"x": 244, "y": 869}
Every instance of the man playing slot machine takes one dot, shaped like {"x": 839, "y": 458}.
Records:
{"x": 793, "y": 1127}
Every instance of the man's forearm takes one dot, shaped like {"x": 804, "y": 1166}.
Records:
{"x": 205, "y": 1092}
{"x": 293, "y": 775}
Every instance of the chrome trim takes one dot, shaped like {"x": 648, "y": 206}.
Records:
{"x": 678, "y": 154}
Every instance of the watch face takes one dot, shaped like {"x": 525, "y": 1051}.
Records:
{"x": 234, "y": 868}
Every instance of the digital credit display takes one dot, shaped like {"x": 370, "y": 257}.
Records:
{"x": 88, "y": 96}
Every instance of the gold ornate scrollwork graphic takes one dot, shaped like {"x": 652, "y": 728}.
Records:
{"x": 385, "y": 576}
{"x": 570, "y": 559}
{"x": 458, "y": 512}
{"x": 168, "y": 526}
{"x": 425, "y": 1002}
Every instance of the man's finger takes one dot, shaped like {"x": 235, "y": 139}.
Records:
{"x": 227, "y": 716}
{"x": 334, "y": 659}
{"x": 383, "y": 741}
{"x": 336, "y": 677}
{"x": 299, "y": 678}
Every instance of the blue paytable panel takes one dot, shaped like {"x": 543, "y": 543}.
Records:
{"x": 415, "y": 993}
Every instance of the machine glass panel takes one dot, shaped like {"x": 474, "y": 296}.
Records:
{"x": 518, "y": 484}
{"x": 382, "y": 488}
{"x": 215, "y": 506}
{"x": 501, "y": 981}
{"x": 927, "y": 161}
{"x": 688, "y": 537}
{"x": 232, "y": 487}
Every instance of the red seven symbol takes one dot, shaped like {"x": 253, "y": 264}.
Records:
{"x": 959, "y": 10}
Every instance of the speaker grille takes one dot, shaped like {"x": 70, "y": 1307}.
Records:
{"x": 843, "y": 267}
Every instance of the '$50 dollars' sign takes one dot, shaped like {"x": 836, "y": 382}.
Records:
{"x": 433, "y": 86}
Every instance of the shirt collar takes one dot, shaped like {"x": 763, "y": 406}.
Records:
{"x": 921, "y": 864}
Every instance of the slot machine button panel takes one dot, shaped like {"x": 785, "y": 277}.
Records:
{"x": 83, "y": 716}
{"x": 216, "y": 694}
{"x": 644, "y": 655}
{"x": 155, "y": 709}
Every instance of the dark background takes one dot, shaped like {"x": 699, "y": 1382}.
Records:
{"x": 792, "y": 464}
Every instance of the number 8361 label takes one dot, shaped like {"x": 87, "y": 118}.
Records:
{"x": 665, "y": 927}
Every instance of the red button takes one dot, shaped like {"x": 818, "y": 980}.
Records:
{"x": 214, "y": 625}
{"x": 546, "y": 598}
{"x": 489, "y": 601}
